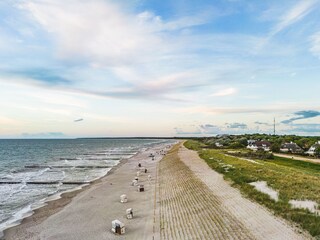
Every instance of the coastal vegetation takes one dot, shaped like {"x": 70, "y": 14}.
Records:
{"x": 293, "y": 180}
{"x": 241, "y": 141}
{"x": 260, "y": 154}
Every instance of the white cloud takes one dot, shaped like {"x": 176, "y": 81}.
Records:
{"x": 103, "y": 34}
{"x": 56, "y": 98}
{"x": 133, "y": 48}
{"x": 158, "y": 24}
{"x": 272, "y": 108}
{"x": 94, "y": 30}
{"x": 225, "y": 92}
{"x": 287, "y": 18}
{"x": 5, "y": 121}
{"x": 138, "y": 51}
{"x": 104, "y": 118}
{"x": 9, "y": 124}
{"x": 187, "y": 131}
{"x": 315, "y": 41}
{"x": 293, "y": 15}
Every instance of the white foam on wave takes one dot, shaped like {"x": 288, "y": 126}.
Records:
{"x": 42, "y": 171}
{"x": 7, "y": 191}
{"x": 63, "y": 175}
{"x": 101, "y": 174}
{"x": 16, "y": 219}
{"x": 113, "y": 163}
{"x": 28, "y": 210}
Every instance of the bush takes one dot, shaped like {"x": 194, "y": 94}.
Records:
{"x": 260, "y": 154}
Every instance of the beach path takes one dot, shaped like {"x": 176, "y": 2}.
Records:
{"x": 197, "y": 203}
{"x": 297, "y": 157}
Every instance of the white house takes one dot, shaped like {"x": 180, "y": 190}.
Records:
{"x": 251, "y": 141}
{"x": 291, "y": 147}
{"x": 312, "y": 149}
{"x": 263, "y": 145}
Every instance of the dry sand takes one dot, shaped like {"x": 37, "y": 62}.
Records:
{"x": 89, "y": 214}
{"x": 260, "y": 222}
{"x": 189, "y": 209}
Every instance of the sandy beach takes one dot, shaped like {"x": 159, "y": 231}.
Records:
{"x": 87, "y": 214}
{"x": 184, "y": 200}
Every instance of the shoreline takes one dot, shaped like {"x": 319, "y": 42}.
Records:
{"x": 50, "y": 207}
{"x": 55, "y": 206}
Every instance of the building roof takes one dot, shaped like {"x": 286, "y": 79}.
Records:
{"x": 262, "y": 144}
{"x": 291, "y": 146}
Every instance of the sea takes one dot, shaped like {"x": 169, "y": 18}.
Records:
{"x": 34, "y": 171}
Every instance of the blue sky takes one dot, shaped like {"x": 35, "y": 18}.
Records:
{"x": 158, "y": 68}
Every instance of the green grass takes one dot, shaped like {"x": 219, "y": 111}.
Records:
{"x": 292, "y": 179}
{"x": 313, "y": 168}
{"x": 194, "y": 145}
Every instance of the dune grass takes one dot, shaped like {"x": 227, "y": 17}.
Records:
{"x": 194, "y": 145}
{"x": 292, "y": 179}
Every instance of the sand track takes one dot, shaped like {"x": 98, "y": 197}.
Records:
{"x": 218, "y": 210}
{"x": 189, "y": 209}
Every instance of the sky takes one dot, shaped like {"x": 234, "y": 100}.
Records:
{"x": 119, "y": 68}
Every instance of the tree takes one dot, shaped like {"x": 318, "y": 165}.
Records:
{"x": 235, "y": 145}
{"x": 243, "y": 142}
{"x": 303, "y": 143}
{"x": 275, "y": 147}
{"x": 317, "y": 152}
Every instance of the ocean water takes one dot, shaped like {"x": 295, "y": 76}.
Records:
{"x": 33, "y": 170}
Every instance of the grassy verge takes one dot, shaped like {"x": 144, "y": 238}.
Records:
{"x": 194, "y": 145}
{"x": 292, "y": 179}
